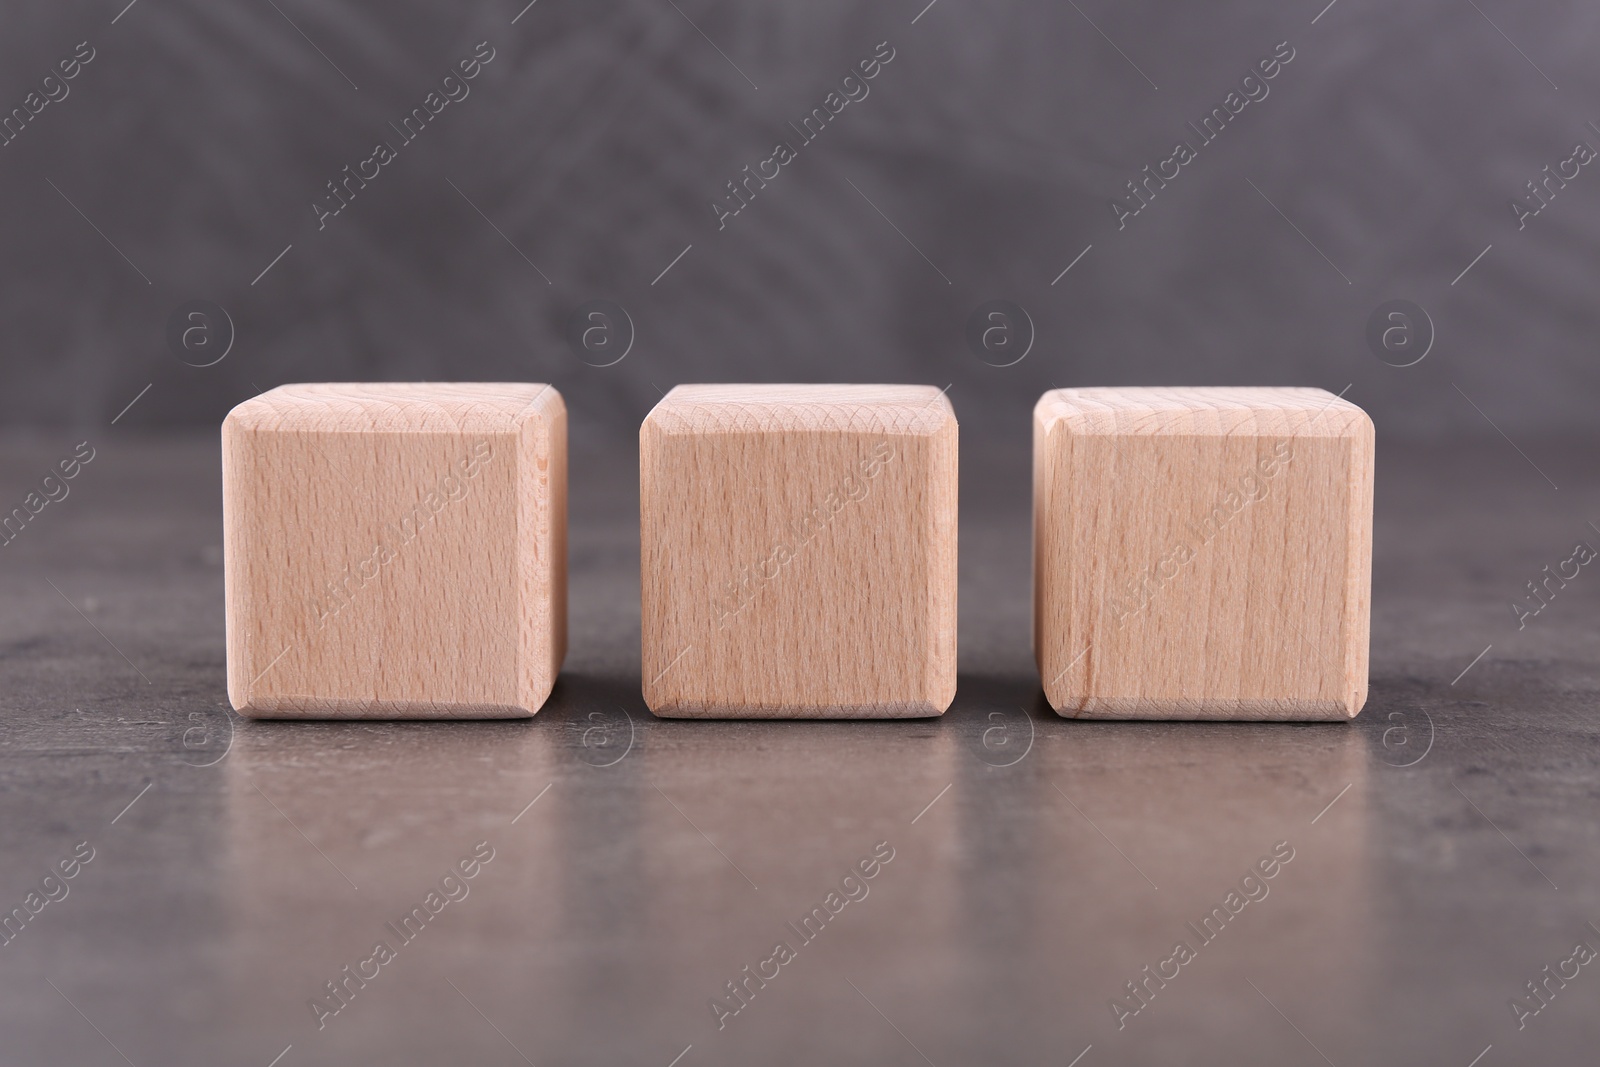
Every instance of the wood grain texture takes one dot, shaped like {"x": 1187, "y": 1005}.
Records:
{"x": 395, "y": 550}
{"x": 798, "y": 551}
{"x": 1202, "y": 553}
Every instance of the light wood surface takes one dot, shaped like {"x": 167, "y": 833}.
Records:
{"x": 1202, "y": 553}
{"x": 798, "y": 551}
{"x": 395, "y": 550}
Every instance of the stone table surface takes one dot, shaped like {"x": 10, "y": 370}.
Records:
{"x": 1444, "y": 844}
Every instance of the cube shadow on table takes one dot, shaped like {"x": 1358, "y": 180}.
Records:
{"x": 395, "y": 550}
{"x": 1202, "y": 553}
{"x": 798, "y": 551}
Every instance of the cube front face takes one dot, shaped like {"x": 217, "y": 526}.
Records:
{"x": 798, "y": 552}
{"x": 395, "y": 551}
{"x": 1202, "y": 553}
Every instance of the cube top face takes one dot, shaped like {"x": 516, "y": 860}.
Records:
{"x": 395, "y": 551}
{"x": 798, "y": 552}
{"x": 1202, "y": 553}
{"x": 897, "y": 409}
{"x": 393, "y": 407}
{"x": 1201, "y": 411}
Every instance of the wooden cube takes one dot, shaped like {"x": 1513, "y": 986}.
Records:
{"x": 395, "y": 550}
{"x": 798, "y": 552}
{"x": 1202, "y": 553}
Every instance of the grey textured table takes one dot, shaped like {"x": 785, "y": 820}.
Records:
{"x": 1039, "y": 865}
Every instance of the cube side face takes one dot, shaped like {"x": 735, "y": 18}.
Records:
{"x": 798, "y": 574}
{"x": 371, "y": 574}
{"x": 1043, "y": 631}
{"x": 1208, "y": 576}
{"x": 541, "y": 509}
{"x": 1358, "y": 590}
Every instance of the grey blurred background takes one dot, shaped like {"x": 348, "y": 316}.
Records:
{"x": 188, "y": 153}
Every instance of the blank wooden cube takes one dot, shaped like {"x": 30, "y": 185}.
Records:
{"x": 395, "y": 550}
{"x": 1202, "y": 553}
{"x": 798, "y": 551}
